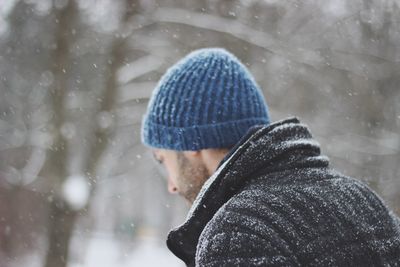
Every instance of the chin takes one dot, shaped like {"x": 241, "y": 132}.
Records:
{"x": 188, "y": 199}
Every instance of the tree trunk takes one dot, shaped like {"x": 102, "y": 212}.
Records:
{"x": 60, "y": 233}
{"x": 61, "y": 218}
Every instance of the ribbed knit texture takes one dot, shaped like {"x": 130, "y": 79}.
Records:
{"x": 206, "y": 100}
{"x": 276, "y": 202}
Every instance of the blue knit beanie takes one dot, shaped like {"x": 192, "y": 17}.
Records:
{"x": 206, "y": 100}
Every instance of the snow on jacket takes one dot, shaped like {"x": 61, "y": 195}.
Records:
{"x": 276, "y": 202}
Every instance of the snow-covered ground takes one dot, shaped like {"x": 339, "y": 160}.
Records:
{"x": 107, "y": 252}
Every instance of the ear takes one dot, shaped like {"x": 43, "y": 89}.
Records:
{"x": 192, "y": 154}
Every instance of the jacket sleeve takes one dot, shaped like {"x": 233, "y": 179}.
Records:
{"x": 233, "y": 238}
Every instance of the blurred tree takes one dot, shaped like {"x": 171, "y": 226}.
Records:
{"x": 61, "y": 215}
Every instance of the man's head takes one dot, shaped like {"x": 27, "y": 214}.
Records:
{"x": 203, "y": 105}
{"x": 188, "y": 170}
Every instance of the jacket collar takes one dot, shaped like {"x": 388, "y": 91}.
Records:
{"x": 282, "y": 145}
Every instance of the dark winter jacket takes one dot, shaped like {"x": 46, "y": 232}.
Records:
{"x": 276, "y": 202}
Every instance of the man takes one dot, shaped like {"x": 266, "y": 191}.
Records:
{"x": 262, "y": 193}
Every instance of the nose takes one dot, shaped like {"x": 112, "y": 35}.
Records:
{"x": 171, "y": 187}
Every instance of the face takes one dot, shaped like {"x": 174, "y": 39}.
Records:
{"x": 186, "y": 172}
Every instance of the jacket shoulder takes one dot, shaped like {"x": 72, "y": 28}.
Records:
{"x": 271, "y": 223}
{"x": 239, "y": 234}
